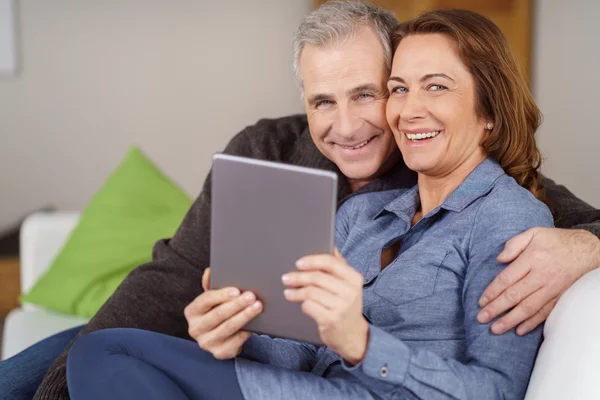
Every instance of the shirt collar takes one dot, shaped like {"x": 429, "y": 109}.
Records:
{"x": 479, "y": 183}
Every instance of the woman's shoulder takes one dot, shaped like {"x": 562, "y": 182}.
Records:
{"x": 511, "y": 205}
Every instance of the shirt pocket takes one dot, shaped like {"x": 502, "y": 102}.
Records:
{"x": 411, "y": 276}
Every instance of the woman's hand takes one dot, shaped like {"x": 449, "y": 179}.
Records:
{"x": 331, "y": 293}
{"x": 216, "y": 318}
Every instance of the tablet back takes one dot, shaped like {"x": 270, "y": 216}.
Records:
{"x": 265, "y": 216}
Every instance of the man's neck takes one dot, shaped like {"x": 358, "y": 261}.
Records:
{"x": 357, "y": 184}
{"x": 434, "y": 190}
{"x": 392, "y": 161}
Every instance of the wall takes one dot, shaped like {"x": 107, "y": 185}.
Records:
{"x": 179, "y": 78}
{"x": 566, "y": 85}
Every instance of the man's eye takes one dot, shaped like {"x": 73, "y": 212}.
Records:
{"x": 436, "y": 88}
{"x": 399, "y": 89}
{"x": 365, "y": 95}
{"x": 323, "y": 103}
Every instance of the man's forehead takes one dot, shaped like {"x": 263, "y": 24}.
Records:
{"x": 341, "y": 69}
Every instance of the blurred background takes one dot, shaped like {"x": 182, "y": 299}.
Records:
{"x": 180, "y": 78}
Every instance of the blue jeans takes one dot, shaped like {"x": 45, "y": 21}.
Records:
{"x": 21, "y": 374}
{"x": 125, "y": 363}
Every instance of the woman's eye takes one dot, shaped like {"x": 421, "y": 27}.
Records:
{"x": 399, "y": 89}
{"x": 436, "y": 88}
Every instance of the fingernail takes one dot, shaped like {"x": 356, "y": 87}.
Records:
{"x": 483, "y": 317}
{"x": 521, "y": 331}
{"x": 483, "y": 301}
{"x": 287, "y": 292}
{"x": 498, "y": 328}
{"x": 255, "y": 306}
{"x": 233, "y": 293}
{"x": 285, "y": 278}
{"x": 248, "y": 296}
{"x": 300, "y": 263}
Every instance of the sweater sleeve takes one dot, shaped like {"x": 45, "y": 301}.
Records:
{"x": 569, "y": 211}
{"x": 143, "y": 300}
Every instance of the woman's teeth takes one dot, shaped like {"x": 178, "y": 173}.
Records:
{"x": 419, "y": 136}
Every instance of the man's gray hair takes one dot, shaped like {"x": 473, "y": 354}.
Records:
{"x": 335, "y": 21}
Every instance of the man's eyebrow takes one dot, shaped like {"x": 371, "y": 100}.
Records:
{"x": 367, "y": 87}
{"x": 315, "y": 98}
{"x": 423, "y": 78}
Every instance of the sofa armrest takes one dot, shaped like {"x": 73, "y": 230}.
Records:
{"x": 568, "y": 363}
{"x": 42, "y": 237}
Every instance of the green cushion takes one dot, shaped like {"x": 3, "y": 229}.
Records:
{"x": 135, "y": 207}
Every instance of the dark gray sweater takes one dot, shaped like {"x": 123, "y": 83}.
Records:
{"x": 154, "y": 295}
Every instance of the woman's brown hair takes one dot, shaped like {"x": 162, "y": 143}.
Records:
{"x": 502, "y": 94}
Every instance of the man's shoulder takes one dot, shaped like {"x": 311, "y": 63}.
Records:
{"x": 288, "y": 128}
{"x": 270, "y": 138}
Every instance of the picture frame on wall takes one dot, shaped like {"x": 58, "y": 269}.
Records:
{"x": 8, "y": 39}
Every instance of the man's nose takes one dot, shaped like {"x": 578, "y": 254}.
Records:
{"x": 346, "y": 123}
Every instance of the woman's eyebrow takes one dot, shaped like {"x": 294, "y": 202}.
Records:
{"x": 436, "y": 75}
{"x": 423, "y": 78}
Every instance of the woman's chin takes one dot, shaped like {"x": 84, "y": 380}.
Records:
{"x": 419, "y": 166}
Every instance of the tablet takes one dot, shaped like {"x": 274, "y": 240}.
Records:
{"x": 265, "y": 216}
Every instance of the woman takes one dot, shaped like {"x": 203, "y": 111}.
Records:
{"x": 402, "y": 323}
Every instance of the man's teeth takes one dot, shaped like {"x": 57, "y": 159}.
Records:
{"x": 358, "y": 146}
{"x": 424, "y": 135}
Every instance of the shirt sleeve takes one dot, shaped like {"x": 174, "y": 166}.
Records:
{"x": 495, "y": 366}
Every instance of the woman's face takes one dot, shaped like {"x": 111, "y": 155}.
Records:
{"x": 431, "y": 108}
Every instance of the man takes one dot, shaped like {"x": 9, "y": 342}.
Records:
{"x": 344, "y": 130}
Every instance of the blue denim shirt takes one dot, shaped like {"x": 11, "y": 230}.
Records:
{"x": 424, "y": 338}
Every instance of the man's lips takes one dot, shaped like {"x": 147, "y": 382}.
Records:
{"x": 355, "y": 145}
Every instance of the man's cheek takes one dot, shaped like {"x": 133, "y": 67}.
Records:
{"x": 375, "y": 114}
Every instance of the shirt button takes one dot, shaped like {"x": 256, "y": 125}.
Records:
{"x": 384, "y": 372}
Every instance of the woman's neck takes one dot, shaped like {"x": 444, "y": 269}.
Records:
{"x": 435, "y": 189}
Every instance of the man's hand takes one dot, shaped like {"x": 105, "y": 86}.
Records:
{"x": 216, "y": 317}
{"x": 331, "y": 293}
{"x": 544, "y": 263}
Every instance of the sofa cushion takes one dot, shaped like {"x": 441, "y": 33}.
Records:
{"x": 23, "y": 328}
{"x": 135, "y": 207}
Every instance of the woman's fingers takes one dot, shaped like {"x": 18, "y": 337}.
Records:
{"x": 316, "y": 294}
{"x": 224, "y": 307}
{"x": 206, "y": 279}
{"x": 232, "y": 347}
{"x": 231, "y": 326}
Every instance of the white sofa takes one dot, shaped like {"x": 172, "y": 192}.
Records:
{"x": 42, "y": 237}
{"x": 567, "y": 366}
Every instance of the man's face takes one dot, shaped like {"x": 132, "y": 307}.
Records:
{"x": 345, "y": 96}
